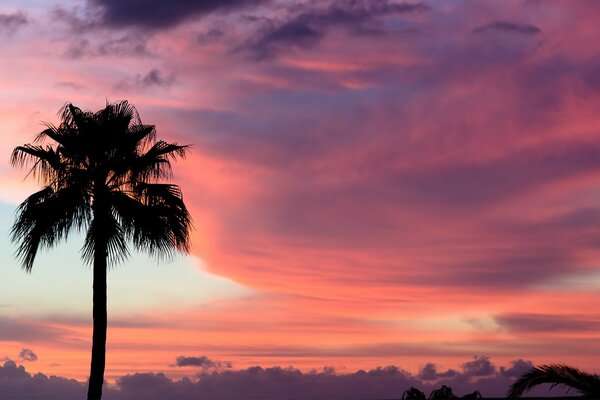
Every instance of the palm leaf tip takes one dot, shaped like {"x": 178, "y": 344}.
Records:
{"x": 572, "y": 378}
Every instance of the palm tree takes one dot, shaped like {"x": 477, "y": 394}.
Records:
{"x": 101, "y": 177}
{"x": 585, "y": 383}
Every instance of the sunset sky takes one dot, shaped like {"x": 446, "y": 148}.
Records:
{"x": 372, "y": 182}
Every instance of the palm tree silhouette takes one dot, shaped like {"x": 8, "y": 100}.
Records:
{"x": 585, "y": 383}
{"x": 101, "y": 177}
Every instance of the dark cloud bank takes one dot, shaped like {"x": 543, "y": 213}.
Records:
{"x": 269, "y": 383}
{"x": 310, "y": 25}
{"x": 160, "y": 14}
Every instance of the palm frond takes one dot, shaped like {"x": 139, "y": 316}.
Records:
{"x": 46, "y": 217}
{"x": 64, "y": 134}
{"x": 45, "y": 162}
{"x": 141, "y": 135}
{"x": 557, "y": 375}
{"x": 108, "y": 234}
{"x": 156, "y": 162}
{"x": 74, "y": 117}
{"x": 115, "y": 118}
{"x": 156, "y": 220}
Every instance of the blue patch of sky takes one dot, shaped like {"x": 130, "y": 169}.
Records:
{"x": 60, "y": 282}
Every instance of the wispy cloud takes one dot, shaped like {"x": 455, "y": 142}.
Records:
{"x": 510, "y": 27}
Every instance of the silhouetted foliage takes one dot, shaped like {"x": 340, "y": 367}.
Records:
{"x": 475, "y": 395}
{"x": 101, "y": 177}
{"x": 413, "y": 394}
{"x": 557, "y": 375}
{"x": 442, "y": 393}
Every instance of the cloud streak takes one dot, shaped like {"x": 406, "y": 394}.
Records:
{"x": 509, "y": 27}
{"x": 156, "y": 14}
{"x": 202, "y": 362}
{"x": 16, "y": 329}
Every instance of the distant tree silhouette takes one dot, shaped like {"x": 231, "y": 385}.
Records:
{"x": 557, "y": 375}
{"x": 442, "y": 393}
{"x": 101, "y": 177}
{"x": 475, "y": 395}
{"x": 413, "y": 394}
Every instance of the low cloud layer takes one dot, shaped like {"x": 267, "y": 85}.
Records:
{"x": 17, "y": 383}
{"x": 269, "y": 383}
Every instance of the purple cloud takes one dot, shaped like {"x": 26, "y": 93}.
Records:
{"x": 510, "y": 27}
{"x": 155, "y": 77}
{"x": 122, "y": 46}
{"x": 517, "y": 368}
{"x": 307, "y": 27}
{"x": 480, "y": 366}
{"x": 528, "y": 322}
{"x": 9, "y": 23}
{"x": 28, "y": 355}
{"x": 202, "y": 362}
{"x": 17, "y": 383}
{"x": 429, "y": 373}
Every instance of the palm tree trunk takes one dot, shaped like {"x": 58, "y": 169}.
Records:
{"x": 100, "y": 324}
{"x": 99, "y": 314}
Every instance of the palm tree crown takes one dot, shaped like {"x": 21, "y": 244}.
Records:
{"x": 105, "y": 164}
{"x": 585, "y": 383}
{"x": 102, "y": 177}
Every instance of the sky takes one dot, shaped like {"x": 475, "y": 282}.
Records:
{"x": 384, "y": 194}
